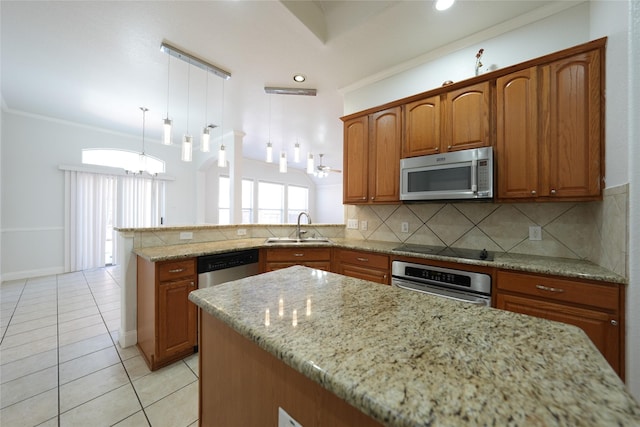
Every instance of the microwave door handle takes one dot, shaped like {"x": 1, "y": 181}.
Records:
{"x": 474, "y": 175}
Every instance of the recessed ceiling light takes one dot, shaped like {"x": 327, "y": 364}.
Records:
{"x": 299, "y": 78}
{"x": 444, "y": 4}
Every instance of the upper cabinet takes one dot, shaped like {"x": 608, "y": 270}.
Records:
{"x": 549, "y": 130}
{"x": 451, "y": 121}
{"x": 372, "y": 146}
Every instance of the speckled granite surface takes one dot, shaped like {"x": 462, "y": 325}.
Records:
{"x": 409, "y": 359}
{"x": 533, "y": 264}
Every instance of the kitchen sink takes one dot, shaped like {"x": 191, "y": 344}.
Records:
{"x": 294, "y": 241}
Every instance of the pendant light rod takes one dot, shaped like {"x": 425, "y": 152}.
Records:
{"x": 193, "y": 60}
{"x": 144, "y": 113}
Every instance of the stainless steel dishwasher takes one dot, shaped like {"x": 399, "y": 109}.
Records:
{"x": 221, "y": 268}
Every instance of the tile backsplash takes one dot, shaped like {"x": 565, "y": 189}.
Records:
{"x": 595, "y": 231}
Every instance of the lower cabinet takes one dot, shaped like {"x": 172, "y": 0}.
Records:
{"x": 594, "y": 307}
{"x": 167, "y": 320}
{"x": 362, "y": 265}
{"x": 277, "y": 258}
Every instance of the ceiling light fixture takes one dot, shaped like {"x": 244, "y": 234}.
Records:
{"x": 290, "y": 91}
{"x": 283, "y": 162}
{"x": 187, "y": 139}
{"x": 206, "y": 135}
{"x": 200, "y": 63}
{"x": 166, "y": 138}
{"x": 269, "y": 145}
{"x": 143, "y": 163}
{"x": 299, "y": 78}
{"x": 310, "y": 165}
{"x": 222, "y": 155}
{"x": 444, "y": 4}
{"x": 296, "y": 152}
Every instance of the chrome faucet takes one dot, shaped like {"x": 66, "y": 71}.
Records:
{"x": 299, "y": 232}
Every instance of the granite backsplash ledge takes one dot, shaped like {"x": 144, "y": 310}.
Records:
{"x": 592, "y": 231}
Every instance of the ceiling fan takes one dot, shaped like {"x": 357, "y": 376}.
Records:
{"x": 324, "y": 170}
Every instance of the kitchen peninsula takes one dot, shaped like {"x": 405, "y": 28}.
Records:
{"x": 309, "y": 341}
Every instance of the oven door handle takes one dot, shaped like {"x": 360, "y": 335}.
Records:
{"x": 407, "y": 285}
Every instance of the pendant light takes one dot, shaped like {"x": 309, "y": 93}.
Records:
{"x": 187, "y": 139}
{"x": 166, "y": 138}
{"x": 310, "y": 165}
{"x": 296, "y": 152}
{"x": 206, "y": 135}
{"x": 283, "y": 162}
{"x": 269, "y": 145}
{"x": 222, "y": 155}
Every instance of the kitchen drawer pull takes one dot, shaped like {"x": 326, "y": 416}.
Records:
{"x": 553, "y": 191}
{"x": 177, "y": 270}
{"x": 614, "y": 322}
{"x": 549, "y": 289}
{"x": 363, "y": 259}
{"x": 298, "y": 254}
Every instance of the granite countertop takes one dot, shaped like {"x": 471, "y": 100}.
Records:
{"x": 409, "y": 359}
{"x": 529, "y": 263}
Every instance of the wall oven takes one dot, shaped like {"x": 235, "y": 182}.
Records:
{"x": 465, "y": 174}
{"x": 465, "y": 286}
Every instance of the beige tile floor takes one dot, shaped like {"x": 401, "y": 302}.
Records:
{"x": 61, "y": 365}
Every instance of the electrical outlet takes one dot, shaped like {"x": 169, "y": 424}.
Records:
{"x": 404, "y": 227}
{"x": 242, "y": 231}
{"x": 352, "y": 224}
{"x": 186, "y": 235}
{"x": 535, "y": 232}
{"x": 364, "y": 225}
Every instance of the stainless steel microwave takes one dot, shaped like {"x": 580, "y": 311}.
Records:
{"x": 465, "y": 174}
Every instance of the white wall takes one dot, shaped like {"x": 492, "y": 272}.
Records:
{"x": 32, "y": 214}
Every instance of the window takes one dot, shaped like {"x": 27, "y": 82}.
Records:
{"x": 224, "y": 200}
{"x": 124, "y": 159}
{"x": 298, "y": 201}
{"x": 247, "y": 201}
{"x": 270, "y": 203}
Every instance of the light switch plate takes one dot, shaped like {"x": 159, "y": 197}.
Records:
{"x": 364, "y": 225}
{"x": 535, "y": 232}
{"x": 242, "y": 231}
{"x": 186, "y": 235}
{"x": 352, "y": 224}
{"x": 404, "y": 227}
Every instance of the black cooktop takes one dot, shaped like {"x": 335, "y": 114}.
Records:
{"x": 479, "y": 254}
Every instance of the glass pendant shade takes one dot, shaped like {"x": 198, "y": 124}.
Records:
{"x": 187, "y": 148}
{"x": 166, "y": 138}
{"x": 206, "y": 138}
{"x": 222, "y": 157}
{"x": 269, "y": 153}
{"x": 283, "y": 162}
{"x": 296, "y": 153}
{"x": 310, "y": 165}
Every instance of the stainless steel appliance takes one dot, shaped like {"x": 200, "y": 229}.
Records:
{"x": 465, "y": 286}
{"x": 221, "y": 268}
{"x": 465, "y": 174}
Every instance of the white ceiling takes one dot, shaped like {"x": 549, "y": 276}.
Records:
{"x": 96, "y": 62}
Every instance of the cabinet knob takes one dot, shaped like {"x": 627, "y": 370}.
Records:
{"x": 364, "y": 198}
{"x": 437, "y": 148}
{"x": 553, "y": 191}
{"x": 533, "y": 192}
{"x": 614, "y": 322}
{"x": 373, "y": 198}
{"x": 193, "y": 284}
{"x": 449, "y": 147}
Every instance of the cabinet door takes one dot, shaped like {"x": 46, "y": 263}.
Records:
{"x": 516, "y": 148}
{"x": 572, "y": 129}
{"x": 466, "y": 123}
{"x": 356, "y": 158}
{"x": 602, "y": 328}
{"x": 176, "y": 318}
{"x": 384, "y": 156}
{"x": 422, "y": 127}
{"x": 370, "y": 274}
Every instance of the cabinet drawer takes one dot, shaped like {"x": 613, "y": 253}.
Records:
{"x": 560, "y": 289}
{"x": 171, "y": 270}
{"x": 367, "y": 259}
{"x": 299, "y": 254}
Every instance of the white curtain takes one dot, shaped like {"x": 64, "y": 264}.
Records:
{"x": 92, "y": 198}
{"x": 141, "y": 202}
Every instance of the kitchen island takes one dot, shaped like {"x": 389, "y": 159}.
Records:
{"x": 399, "y": 358}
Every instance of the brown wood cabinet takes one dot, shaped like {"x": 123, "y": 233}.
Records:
{"x": 372, "y": 146}
{"x": 549, "y": 130}
{"x": 455, "y": 120}
{"x": 166, "y": 319}
{"x": 362, "y": 265}
{"x": 597, "y": 308}
{"x": 314, "y": 257}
